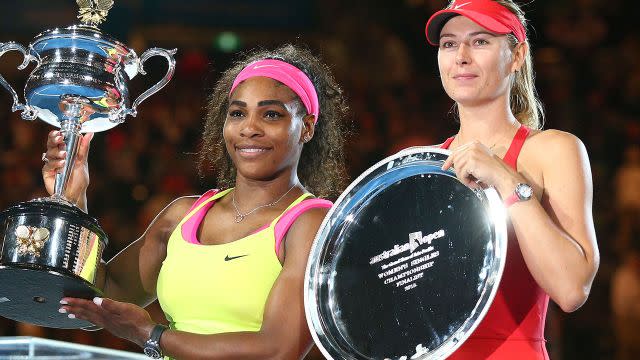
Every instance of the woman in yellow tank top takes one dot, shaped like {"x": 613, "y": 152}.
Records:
{"x": 228, "y": 267}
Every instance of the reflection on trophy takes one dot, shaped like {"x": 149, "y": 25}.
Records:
{"x": 52, "y": 249}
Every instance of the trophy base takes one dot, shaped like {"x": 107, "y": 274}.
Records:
{"x": 32, "y": 294}
{"x": 50, "y": 250}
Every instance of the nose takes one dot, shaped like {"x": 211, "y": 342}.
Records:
{"x": 251, "y": 126}
{"x": 462, "y": 55}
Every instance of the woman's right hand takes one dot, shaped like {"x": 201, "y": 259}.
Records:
{"x": 78, "y": 182}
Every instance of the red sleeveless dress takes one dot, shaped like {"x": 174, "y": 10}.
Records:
{"x": 513, "y": 328}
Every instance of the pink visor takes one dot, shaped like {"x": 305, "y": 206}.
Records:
{"x": 486, "y": 13}
{"x": 291, "y": 76}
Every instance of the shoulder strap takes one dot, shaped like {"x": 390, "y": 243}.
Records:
{"x": 511, "y": 157}
{"x": 204, "y": 197}
{"x": 447, "y": 143}
{"x": 196, "y": 213}
{"x": 290, "y": 216}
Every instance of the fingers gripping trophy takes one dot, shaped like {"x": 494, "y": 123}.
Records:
{"x": 51, "y": 248}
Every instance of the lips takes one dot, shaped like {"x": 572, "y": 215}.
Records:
{"x": 465, "y": 76}
{"x": 251, "y": 150}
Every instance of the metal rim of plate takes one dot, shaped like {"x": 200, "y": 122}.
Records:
{"x": 329, "y": 338}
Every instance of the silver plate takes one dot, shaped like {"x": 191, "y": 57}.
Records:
{"x": 406, "y": 263}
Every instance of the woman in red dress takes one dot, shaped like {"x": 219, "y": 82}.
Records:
{"x": 544, "y": 177}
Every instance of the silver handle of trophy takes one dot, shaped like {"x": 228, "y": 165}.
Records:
{"x": 28, "y": 113}
{"x": 72, "y": 109}
{"x": 70, "y": 131}
{"x": 167, "y": 54}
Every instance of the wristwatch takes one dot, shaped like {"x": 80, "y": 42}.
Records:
{"x": 152, "y": 346}
{"x": 523, "y": 192}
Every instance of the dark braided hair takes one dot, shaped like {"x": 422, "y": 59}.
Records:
{"x": 321, "y": 168}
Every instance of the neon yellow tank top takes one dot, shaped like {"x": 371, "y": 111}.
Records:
{"x": 211, "y": 289}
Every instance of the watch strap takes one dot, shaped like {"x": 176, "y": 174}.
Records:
{"x": 157, "y": 331}
{"x": 511, "y": 199}
{"x": 153, "y": 343}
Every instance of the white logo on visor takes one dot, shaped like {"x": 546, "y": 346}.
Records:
{"x": 461, "y": 5}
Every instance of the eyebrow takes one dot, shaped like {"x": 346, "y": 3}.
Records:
{"x": 238, "y": 103}
{"x": 470, "y": 35}
{"x": 260, "y": 103}
{"x": 271, "y": 102}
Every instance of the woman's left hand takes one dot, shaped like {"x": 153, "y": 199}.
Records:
{"x": 477, "y": 166}
{"x": 127, "y": 321}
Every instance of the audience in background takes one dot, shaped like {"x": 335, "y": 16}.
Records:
{"x": 589, "y": 83}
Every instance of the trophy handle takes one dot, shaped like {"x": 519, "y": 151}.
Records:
{"x": 28, "y": 113}
{"x": 167, "y": 54}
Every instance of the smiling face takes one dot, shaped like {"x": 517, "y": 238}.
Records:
{"x": 264, "y": 129}
{"x": 476, "y": 66}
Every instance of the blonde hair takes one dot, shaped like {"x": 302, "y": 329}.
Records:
{"x": 524, "y": 101}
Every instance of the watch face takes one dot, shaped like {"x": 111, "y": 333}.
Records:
{"x": 152, "y": 352}
{"x": 524, "y": 191}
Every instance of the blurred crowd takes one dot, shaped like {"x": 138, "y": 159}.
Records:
{"x": 588, "y": 77}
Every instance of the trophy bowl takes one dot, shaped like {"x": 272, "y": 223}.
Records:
{"x": 406, "y": 262}
{"x": 50, "y": 248}
{"x": 82, "y": 62}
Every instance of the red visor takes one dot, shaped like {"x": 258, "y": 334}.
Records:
{"x": 486, "y": 13}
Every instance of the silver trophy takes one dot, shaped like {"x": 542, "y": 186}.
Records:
{"x": 52, "y": 249}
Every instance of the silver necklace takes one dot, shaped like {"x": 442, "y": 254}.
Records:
{"x": 240, "y": 216}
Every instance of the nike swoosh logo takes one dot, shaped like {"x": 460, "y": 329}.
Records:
{"x": 461, "y": 5}
{"x": 227, "y": 258}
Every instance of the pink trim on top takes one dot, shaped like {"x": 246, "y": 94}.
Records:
{"x": 190, "y": 227}
{"x": 289, "y": 217}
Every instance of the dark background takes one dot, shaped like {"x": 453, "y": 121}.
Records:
{"x": 588, "y": 74}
